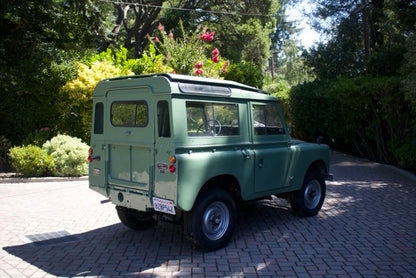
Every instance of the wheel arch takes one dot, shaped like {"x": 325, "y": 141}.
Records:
{"x": 226, "y": 182}
{"x": 319, "y": 166}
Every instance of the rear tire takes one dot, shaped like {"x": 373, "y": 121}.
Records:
{"x": 211, "y": 222}
{"x": 134, "y": 219}
{"x": 309, "y": 199}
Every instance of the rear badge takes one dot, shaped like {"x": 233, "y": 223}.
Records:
{"x": 96, "y": 172}
{"x": 163, "y": 167}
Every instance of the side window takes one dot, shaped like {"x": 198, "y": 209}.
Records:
{"x": 163, "y": 119}
{"x": 266, "y": 120}
{"x": 212, "y": 119}
{"x": 99, "y": 118}
{"x": 129, "y": 113}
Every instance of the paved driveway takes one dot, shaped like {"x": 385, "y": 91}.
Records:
{"x": 367, "y": 228}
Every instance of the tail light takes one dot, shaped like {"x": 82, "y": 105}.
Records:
{"x": 90, "y": 152}
{"x": 91, "y": 158}
{"x": 172, "y": 167}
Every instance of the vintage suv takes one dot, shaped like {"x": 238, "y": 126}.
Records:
{"x": 190, "y": 149}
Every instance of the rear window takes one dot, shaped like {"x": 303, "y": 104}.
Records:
{"x": 129, "y": 113}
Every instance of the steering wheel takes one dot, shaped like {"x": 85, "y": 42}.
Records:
{"x": 211, "y": 127}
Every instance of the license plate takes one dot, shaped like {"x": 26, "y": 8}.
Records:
{"x": 163, "y": 205}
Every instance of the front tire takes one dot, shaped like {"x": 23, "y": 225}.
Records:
{"x": 309, "y": 199}
{"x": 134, "y": 219}
{"x": 210, "y": 224}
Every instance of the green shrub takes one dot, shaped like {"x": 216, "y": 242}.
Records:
{"x": 368, "y": 116}
{"x": 69, "y": 154}
{"x": 31, "y": 161}
{"x": 246, "y": 73}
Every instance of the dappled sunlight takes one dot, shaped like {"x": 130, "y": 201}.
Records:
{"x": 372, "y": 184}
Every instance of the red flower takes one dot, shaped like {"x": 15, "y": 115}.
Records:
{"x": 156, "y": 39}
{"x": 216, "y": 58}
{"x": 208, "y": 37}
{"x": 161, "y": 27}
{"x": 199, "y": 71}
{"x": 215, "y": 52}
{"x": 199, "y": 65}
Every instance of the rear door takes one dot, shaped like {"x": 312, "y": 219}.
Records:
{"x": 131, "y": 138}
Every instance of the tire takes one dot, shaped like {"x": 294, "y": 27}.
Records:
{"x": 211, "y": 222}
{"x": 134, "y": 219}
{"x": 309, "y": 199}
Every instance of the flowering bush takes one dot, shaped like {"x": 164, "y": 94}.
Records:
{"x": 190, "y": 54}
{"x": 68, "y": 154}
{"x": 31, "y": 160}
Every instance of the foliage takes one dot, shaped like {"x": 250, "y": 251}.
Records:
{"x": 29, "y": 92}
{"x": 151, "y": 62}
{"x": 368, "y": 116}
{"x": 342, "y": 55}
{"x": 190, "y": 54}
{"x": 280, "y": 89}
{"x": 39, "y": 137}
{"x": 40, "y": 39}
{"x": 409, "y": 70}
{"x": 69, "y": 155}
{"x": 242, "y": 28}
{"x": 365, "y": 40}
{"x": 4, "y": 150}
{"x": 31, "y": 160}
{"x": 246, "y": 73}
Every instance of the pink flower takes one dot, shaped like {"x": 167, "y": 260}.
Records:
{"x": 199, "y": 71}
{"x": 156, "y": 39}
{"x": 215, "y": 58}
{"x": 224, "y": 69}
{"x": 199, "y": 65}
{"x": 161, "y": 27}
{"x": 208, "y": 37}
{"x": 215, "y": 52}
{"x": 227, "y": 63}
{"x": 170, "y": 35}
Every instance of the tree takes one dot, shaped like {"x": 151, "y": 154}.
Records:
{"x": 134, "y": 22}
{"x": 38, "y": 40}
{"x": 341, "y": 55}
{"x": 243, "y": 27}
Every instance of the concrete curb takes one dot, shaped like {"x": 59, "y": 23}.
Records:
{"x": 41, "y": 179}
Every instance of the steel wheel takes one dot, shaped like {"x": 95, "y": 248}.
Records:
{"x": 312, "y": 194}
{"x": 308, "y": 200}
{"x": 210, "y": 224}
{"x": 216, "y": 220}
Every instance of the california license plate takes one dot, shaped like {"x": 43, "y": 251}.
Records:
{"x": 163, "y": 205}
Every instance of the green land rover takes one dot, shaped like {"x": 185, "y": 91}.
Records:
{"x": 190, "y": 149}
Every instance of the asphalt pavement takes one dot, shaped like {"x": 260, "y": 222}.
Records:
{"x": 366, "y": 228}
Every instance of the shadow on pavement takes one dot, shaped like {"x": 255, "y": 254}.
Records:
{"x": 116, "y": 250}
